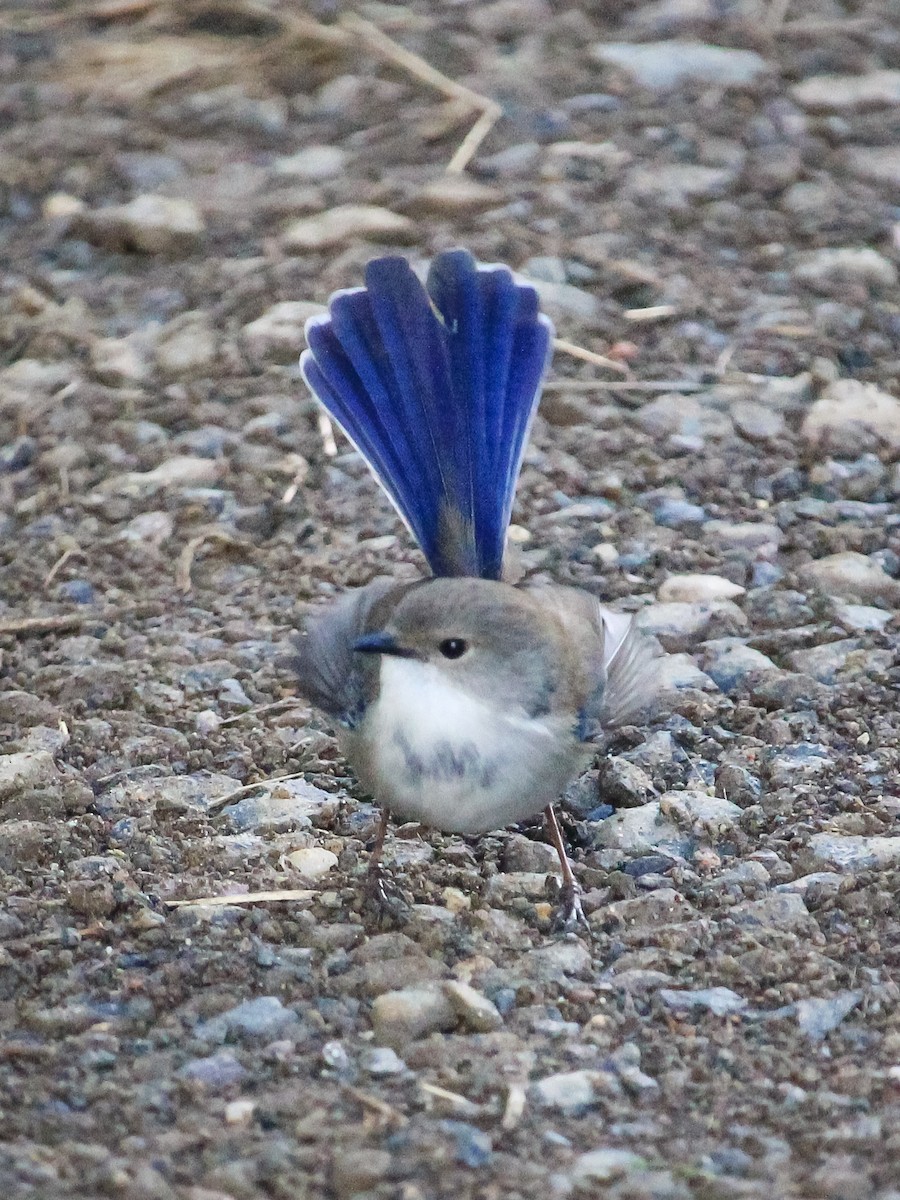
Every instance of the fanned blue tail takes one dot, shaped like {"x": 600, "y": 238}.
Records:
{"x": 436, "y": 386}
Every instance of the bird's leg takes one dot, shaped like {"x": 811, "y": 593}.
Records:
{"x": 569, "y": 913}
{"x": 387, "y": 901}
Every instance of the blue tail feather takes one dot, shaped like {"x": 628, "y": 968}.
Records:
{"x": 436, "y": 387}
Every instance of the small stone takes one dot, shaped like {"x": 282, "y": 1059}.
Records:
{"x": 344, "y": 224}
{"x": 120, "y": 362}
{"x": 17, "y": 455}
{"x": 851, "y": 576}
{"x": 720, "y": 1001}
{"x": 562, "y": 959}
{"x": 667, "y": 64}
{"x": 679, "y": 626}
{"x": 566, "y": 301}
{"x": 312, "y": 862}
{"x": 678, "y": 184}
{"x": 474, "y": 1147}
{"x": 818, "y": 1017}
{"x": 513, "y": 162}
{"x": 570, "y": 1091}
{"x": 186, "y": 346}
{"x": 677, "y": 514}
{"x": 653, "y": 826}
{"x": 382, "y": 1060}
{"x": 24, "y": 771}
{"x": 278, "y": 335}
{"x": 661, "y": 906}
{"x": 861, "y": 618}
{"x": 780, "y": 910}
{"x": 78, "y": 591}
{"x": 757, "y": 422}
{"x": 825, "y": 663}
{"x": 312, "y": 164}
{"x": 673, "y": 414}
{"x": 520, "y": 853}
{"x": 217, "y": 1072}
{"x": 849, "y": 409}
{"x": 60, "y": 206}
{"x": 356, "y": 1171}
{"x": 149, "y": 224}
{"x": 820, "y": 269}
{"x": 737, "y": 783}
{"x": 452, "y": 195}
{"x": 848, "y": 93}
{"x": 475, "y": 1010}
{"x": 599, "y": 1167}
{"x": 729, "y": 661}
{"x": 623, "y": 784}
{"x": 286, "y": 804}
{"x": 261, "y": 1017}
{"x": 877, "y": 164}
{"x": 743, "y": 535}
{"x": 852, "y": 853}
{"x": 699, "y": 589}
{"x": 402, "y": 1016}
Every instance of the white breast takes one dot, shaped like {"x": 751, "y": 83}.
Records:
{"x": 433, "y": 753}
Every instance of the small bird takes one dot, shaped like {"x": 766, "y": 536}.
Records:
{"x": 461, "y": 701}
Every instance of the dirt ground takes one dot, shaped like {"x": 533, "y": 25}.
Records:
{"x": 726, "y": 226}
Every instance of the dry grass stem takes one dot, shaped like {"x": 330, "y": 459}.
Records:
{"x": 598, "y": 360}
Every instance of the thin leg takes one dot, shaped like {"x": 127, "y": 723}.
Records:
{"x": 387, "y": 902}
{"x": 569, "y": 913}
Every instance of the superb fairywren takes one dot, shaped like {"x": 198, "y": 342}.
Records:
{"x": 461, "y": 701}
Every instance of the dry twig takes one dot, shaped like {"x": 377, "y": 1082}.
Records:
{"x": 244, "y": 898}
{"x": 189, "y": 553}
{"x": 598, "y": 360}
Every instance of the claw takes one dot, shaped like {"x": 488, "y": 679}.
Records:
{"x": 568, "y": 916}
{"x": 383, "y": 898}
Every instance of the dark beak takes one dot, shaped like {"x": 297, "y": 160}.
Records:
{"x": 381, "y": 643}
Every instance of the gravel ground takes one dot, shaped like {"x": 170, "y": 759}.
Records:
{"x": 181, "y": 185}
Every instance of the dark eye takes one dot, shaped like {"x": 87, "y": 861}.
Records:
{"x": 453, "y": 647}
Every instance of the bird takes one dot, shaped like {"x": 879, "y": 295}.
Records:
{"x": 463, "y": 701}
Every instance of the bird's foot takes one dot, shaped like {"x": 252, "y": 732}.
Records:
{"x": 568, "y": 917}
{"x": 383, "y": 898}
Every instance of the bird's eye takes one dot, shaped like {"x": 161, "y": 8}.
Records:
{"x": 453, "y": 647}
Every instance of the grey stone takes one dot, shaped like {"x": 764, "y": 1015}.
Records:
{"x": 852, "y": 853}
{"x": 678, "y": 184}
{"x": 603, "y": 1166}
{"x": 345, "y": 224}
{"x": 261, "y": 1017}
{"x": 570, "y": 1091}
{"x": 878, "y": 164}
{"x": 570, "y": 958}
{"x": 24, "y": 771}
{"x": 667, "y": 64}
{"x": 624, "y": 784}
{"x": 851, "y": 576}
{"x": 475, "y": 1010}
{"x": 285, "y": 804}
{"x": 861, "y": 618}
{"x": 845, "y": 264}
{"x": 277, "y": 335}
{"x": 818, "y": 1017}
{"x": 698, "y": 589}
{"x": 848, "y": 408}
{"x": 150, "y": 224}
{"x": 668, "y": 823}
{"x": 216, "y": 1072}
{"x": 720, "y": 1001}
{"x": 679, "y": 626}
{"x": 382, "y": 1060}
{"x": 402, "y": 1016}
{"x": 780, "y": 910}
{"x": 728, "y": 662}
{"x": 848, "y": 93}
{"x": 312, "y": 164}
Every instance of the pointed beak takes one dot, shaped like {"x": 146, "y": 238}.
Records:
{"x": 381, "y": 643}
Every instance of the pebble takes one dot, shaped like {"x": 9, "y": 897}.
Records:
{"x": 678, "y": 183}
{"x": 312, "y": 862}
{"x": 400, "y": 1017}
{"x": 624, "y": 784}
{"x": 818, "y": 1017}
{"x": 667, "y": 64}
{"x": 261, "y": 1017}
{"x": 804, "y": 760}
{"x": 603, "y": 1166}
{"x": 513, "y": 162}
{"x": 819, "y": 269}
{"x": 686, "y": 416}
{"x": 216, "y": 1072}
{"x": 780, "y": 910}
{"x": 720, "y": 1001}
{"x": 653, "y": 827}
{"x": 186, "y": 346}
{"x": 861, "y": 618}
{"x": 698, "y": 589}
{"x": 850, "y": 409}
{"x": 565, "y": 300}
{"x": 284, "y": 805}
{"x": 455, "y": 195}
{"x": 848, "y": 93}
{"x": 78, "y": 591}
{"x": 743, "y": 535}
{"x": 149, "y": 224}
{"x": 728, "y": 662}
{"x": 120, "y": 362}
{"x": 382, "y": 1060}
{"x": 559, "y": 960}
{"x": 679, "y": 672}
{"x": 852, "y": 853}
{"x": 357, "y": 1172}
{"x": 679, "y": 625}
{"x": 757, "y": 422}
{"x": 312, "y": 164}
{"x": 677, "y": 514}
{"x": 878, "y": 164}
{"x": 826, "y": 662}
{"x": 277, "y": 336}
{"x": 344, "y": 224}
{"x": 24, "y": 771}
{"x": 570, "y": 1091}
{"x": 476, "y": 1011}
{"x": 737, "y": 783}
{"x": 850, "y": 576}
